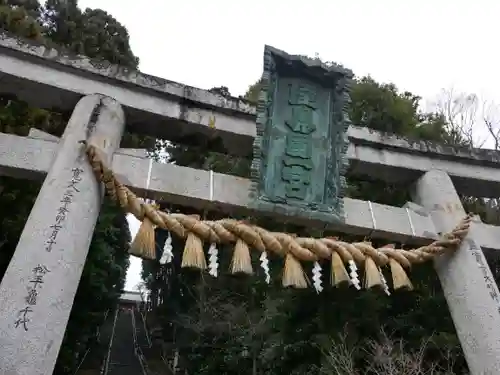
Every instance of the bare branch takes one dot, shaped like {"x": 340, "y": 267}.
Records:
{"x": 476, "y": 121}
{"x": 384, "y": 356}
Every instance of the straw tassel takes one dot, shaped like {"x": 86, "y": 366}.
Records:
{"x": 241, "y": 262}
{"x": 293, "y": 274}
{"x": 400, "y": 279}
{"x": 193, "y": 255}
{"x": 339, "y": 272}
{"x": 143, "y": 245}
{"x": 372, "y": 274}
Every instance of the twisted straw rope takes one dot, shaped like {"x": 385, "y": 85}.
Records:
{"x": 229, "y": 230}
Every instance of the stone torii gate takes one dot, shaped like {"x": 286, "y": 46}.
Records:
{"x": 106, "y": 98}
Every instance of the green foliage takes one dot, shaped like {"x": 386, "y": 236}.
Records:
{"x": 232, "y": 325}
{"x": 93, "y": 33}
{"x": 21, "y": 20}
{"x": 199, "y": 157}
{"x": 382, "y": 107}
{"x": 253, "y": 92}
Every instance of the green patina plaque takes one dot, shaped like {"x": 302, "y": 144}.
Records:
{"x": 301, "y": 144}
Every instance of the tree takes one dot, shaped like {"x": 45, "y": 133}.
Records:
{"x": 296, "y": 335}
{"x": 93, "y": 33}
{"x": 22, "y": 19}
{"x": 474, "y": 118}
{"x": 253, "y": 92}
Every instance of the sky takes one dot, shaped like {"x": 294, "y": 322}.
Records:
{"x": 423, "y": 46}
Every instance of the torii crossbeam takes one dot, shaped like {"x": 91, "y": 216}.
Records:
{"x": 55, "y": 241}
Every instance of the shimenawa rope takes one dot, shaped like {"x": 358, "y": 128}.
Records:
{"x": 246, "y": 236}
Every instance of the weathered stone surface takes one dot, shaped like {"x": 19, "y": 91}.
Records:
{"x": 31, "y": 158}
{"x": 155, "y": 106}
{"x": 38, "y": 288}
{"x": 391, "y": 163}
{"x": 33, "y": 320}
{"x": 26, "y": 157}
{"x": 48, "y": 78}
{"x": 393, "y": 159}
{"x": 468, "y": 285}
{"x": 300, "y": 147}
{"x": 365, "y": 136}
{"x": 107, "y": 70}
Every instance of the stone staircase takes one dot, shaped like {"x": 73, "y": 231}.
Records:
{"x": 128, "y": 339}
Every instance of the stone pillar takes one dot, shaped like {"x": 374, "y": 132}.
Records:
{"x": 38, "y": 289}
{"x": 467, "y": 281}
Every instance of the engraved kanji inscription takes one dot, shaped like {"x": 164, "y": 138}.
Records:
{"x": 299, "y": 153}
{"x": 303, "y": 94}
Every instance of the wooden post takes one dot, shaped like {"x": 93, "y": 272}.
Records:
{"x": 472, "y": 295}
{"x": 39, "y": 286}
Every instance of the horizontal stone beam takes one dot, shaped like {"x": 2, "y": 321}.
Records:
{"x": 474, "y": 172}
{"x": 30, "y": 157}
{"x": 48, "y": 78}
{"x": 26, "y": 157}
{"x": 52, "y": 79}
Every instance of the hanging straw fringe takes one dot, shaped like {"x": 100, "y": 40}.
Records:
{"x": 143, "y": 245}
{"x": 193, "y": 256}
{"x": 246, "y": 236}
{"x": 293, "y": 274}
{"x": 372, "y": 275}
{"x": 339, "y": 273}
{"x": 241, "y": 262}
{"x": 400, "y": 279}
